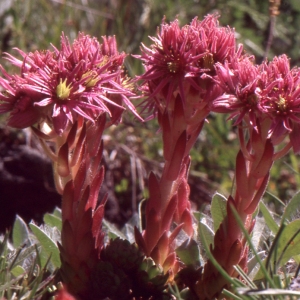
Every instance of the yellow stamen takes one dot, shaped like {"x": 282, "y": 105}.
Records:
{"x": 208, "y": 61}
{"x": 282, "y": 104}
{"x": 62, "y": 90}
{"x": 173, "y": 66}
{"x": 92, "y": 80}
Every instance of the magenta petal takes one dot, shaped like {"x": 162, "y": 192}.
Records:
{"x": 60, "y": 121}
{"x": 24, "y": 119}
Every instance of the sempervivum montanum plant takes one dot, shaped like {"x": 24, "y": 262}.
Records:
{"x": 264, "y": 101}
{"x": 69, "y": 96}
{"x": 191, "y": 71}
{"x": 179, "y": 90}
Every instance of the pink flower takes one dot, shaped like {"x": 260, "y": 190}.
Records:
{"x": 181, "y": 61}
{"x": 280, "y": 100}
{"x": 19, "y": 101}
{"x": 240, "y": 81}
{"x": 257, "y": 93}
{"x": 84, "y": 78}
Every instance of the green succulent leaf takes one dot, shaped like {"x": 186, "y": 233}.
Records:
{"x": 204, "y": 231}
{"x": 289, "y": 243}
{"x": 57, "y": 212}
{"x": 268, "y": 218}
{"x": 20, "y": 234}
{"x": 292, "y": 208}
{"x": 17, "y": 271}
{"x": 53, "y": 221}
{"x": 113, "y": 231}
{"x": 49, "y": 248}
{"x": 189, "y": 253}
{"x": 287, "y": 247}
{"x": 218, "y": 210}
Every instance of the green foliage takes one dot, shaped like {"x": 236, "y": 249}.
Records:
{"x": 218, "y": 210}
{"x": 189, "y": 253}
{"x": 48, "y": 247}
{"x": 28, "y": 265}
{"x": 27, "y": 280}
{"x": 20, "y": 234}
{"x": 270, "y": 222}
{"x": 292, "y": 209}
{"x": 124, "y": 272}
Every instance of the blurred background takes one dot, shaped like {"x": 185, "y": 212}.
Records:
{"x": 134, "y": 149}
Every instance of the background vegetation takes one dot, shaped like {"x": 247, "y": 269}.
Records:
{"x": 133, "y": 149}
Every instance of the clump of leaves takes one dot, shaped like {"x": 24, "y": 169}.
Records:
{"x": 123, "y": 272}
{"x": 29, "y": 264}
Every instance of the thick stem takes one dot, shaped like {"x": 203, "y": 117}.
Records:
{"x": 253, "y": 164}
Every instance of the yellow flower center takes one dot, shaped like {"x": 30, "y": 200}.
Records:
{"x": 282, "y": 104}
{"x": 208, "y": 61}
{"x": 252, "y": 100}
{"x": 173, "y": 66}
{"x": 92, "y": 80}
{"x": 62, "y": 90}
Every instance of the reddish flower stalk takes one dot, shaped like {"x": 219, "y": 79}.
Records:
{"x": 82, "y": 237}
{"x": 230, "y": 249}
{"x": 265, "y": 102}
{"x": 179, "y": 90}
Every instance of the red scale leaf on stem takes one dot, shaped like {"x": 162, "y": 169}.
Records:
{"x": 63, "y": 169}
{"x": 231, "y": 229}
{"x": 67, "y": 201}
{"x": 262, "y": 188}
{"x": 80, "y": 179}
{"x": 163, "y": 247}
{"x": 97, "y": 224}
{"x": 94, "y": 135}
{"x": 183, "y": 199}
{"x": 295, "y": 138}
{"x": 68, "y": 239}
{"x": 80, "y": 147}
{"x": 175, "y": 232}
{"x": 155, "y": 255}
{"x": 95, "y": 187}
{"x": 169, "y": 262}
{"x": 140, "y": 240}
{"x": 192, "y": 137}
{"x": 153, "y": 232}
{"x": 166, "y": 134}
{"x": 84, "y": 225}
{"x": 234, "y": 256}
{"x": 242, "y": 177}
{"x": 155, "y": 196}
{"x": 95, "y": 164}
{"x": 167, "y": 218}
{"x": 263, "y": 166}
{"x": 179, "y": 123}
{"x": 79, "y": 209}
{"x": 72, "y": 135}
{"x": 177, "y": 158}
{"x": 85, "y": 248}
{"x": 187, "y": 221}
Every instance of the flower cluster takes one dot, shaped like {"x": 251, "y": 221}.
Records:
{"x": 262, "y": 94}
{"x": 179, "y": 61}
{"x": 84, "y": 78}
